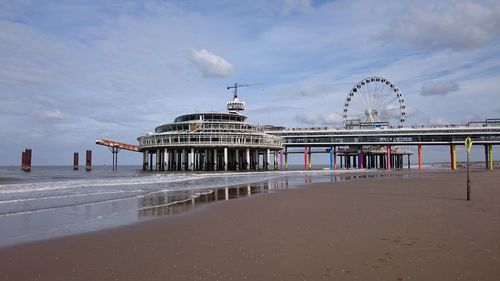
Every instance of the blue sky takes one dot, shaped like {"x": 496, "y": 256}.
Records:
{"x": 75, "y": 71}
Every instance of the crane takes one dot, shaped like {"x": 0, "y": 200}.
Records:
{"x": 235, "y": 87}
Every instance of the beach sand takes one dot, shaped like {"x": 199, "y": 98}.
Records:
{"x": 420, "y": 228}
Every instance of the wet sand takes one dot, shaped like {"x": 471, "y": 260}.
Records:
{"x": 419, "y": 228}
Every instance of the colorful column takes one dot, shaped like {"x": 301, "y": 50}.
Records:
{"x": 281, "y": 159}
{"x": 331, "y": 158}
{"x": 310, "y": 158}
{"x": 306, "y": 158}
{"x": 419, "y": 157}
{"x": 286, "y": 158}
{"x": 360, "y": 157}
{"x": 334, "y": 158}
{"x": 486, "y": 156}
{"x": 453, "y": 157}
{"x": 388, "y": 157}
{"x": 490, "y": 150}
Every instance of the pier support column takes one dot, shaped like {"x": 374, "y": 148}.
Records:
{"x": 388, "y": 157}
{"x": 183, "y": 160}
{"x": 237, "y": 164}
{"x": 158, "y": 160}
{"x": 215, "y": 159}
{"x": 286, "y": 158}
{"x": 205, "y": 160}
{"x": 334, "y": 158}
{"x": 309, "y": 154}
{"x": 257, "y": 160}
{"x": 281, "y": 159}
{"x": 225, "y": 158}
{"x": 247, "y": 159}
{"x": 168, "y": 158}
{"x": 191, "y": 160}
{"x": 165, "y": 159}
{"x": 360, "y": 157}
{"x": 331, "y": 158}
{"x": 453, "y": 157}
{"x": 306, "y": 158}
{"x": 277, "y": 157}
{"x": 419, "y": 157}
{"x": 490, "y": 150}
{"x": 175, "y": 161}
{"x": 408, "y": 161}
{"x": 268, "y": 158}
{"x": 145, "y": 158}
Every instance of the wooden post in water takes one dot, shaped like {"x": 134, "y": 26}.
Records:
{"x": 88, "y": 161}
{"x": 26, "y": 160}
{"x": 75, "y": 161}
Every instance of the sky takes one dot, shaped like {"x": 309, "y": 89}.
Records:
{"x": 76, "y": 71}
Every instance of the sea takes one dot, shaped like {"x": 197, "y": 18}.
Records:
{"x": 55, "y": 201}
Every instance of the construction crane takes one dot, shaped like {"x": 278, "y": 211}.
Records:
{"x": 235, "y": 87}
{"x": 235, "y": 106}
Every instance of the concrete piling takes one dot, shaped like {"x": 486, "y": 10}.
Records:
{"x": 75, "y": 161}
{"x": 26, "y": 160}
{"x": 88, "y": 161}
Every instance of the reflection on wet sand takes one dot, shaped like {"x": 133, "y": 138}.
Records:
{"x": 177, "y": 201}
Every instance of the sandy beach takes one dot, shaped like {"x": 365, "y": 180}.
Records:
{"x": 419, "y": 228}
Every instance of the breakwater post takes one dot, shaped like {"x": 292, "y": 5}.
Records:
{"x": 88, "y": 161}
{"x": 75, "y": 161}
{"x": 26, "y": 160}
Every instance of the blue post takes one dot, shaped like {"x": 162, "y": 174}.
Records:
{"x": 359, "y": 157}
{"x": 331, "y": 158}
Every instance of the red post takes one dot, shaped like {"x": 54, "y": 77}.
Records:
{"x": 88, "y": 161}
{"x": 388, "y": 157}
{"x": 361, "y": 162}
{"x": 75, "y": 161}
{"x": 306, "y": 158}
{"x": 26, "y": 160}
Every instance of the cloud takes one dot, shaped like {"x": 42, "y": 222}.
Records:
{"x": 456, "y": 25}
{"x": 291, "y": 6}
{"x": 314, "y": 119}
{"x": 52, "y": 114}
{"x": 210, "y": 64}
{"x": 439, "y": 88}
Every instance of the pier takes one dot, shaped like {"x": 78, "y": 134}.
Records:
{"x": 223, "y": 141}
{"x": 357, "y": 143}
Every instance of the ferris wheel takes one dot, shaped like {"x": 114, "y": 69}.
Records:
{"x": 374, "y": 99}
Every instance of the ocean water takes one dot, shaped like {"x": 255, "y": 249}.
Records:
{"x": 53, "y": 201}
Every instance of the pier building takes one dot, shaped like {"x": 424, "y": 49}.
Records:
{"x": 210, "y": 141}
{"x": 221, "y": 141}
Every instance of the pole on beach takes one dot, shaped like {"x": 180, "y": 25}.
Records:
{"x": 468, "y": 145}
